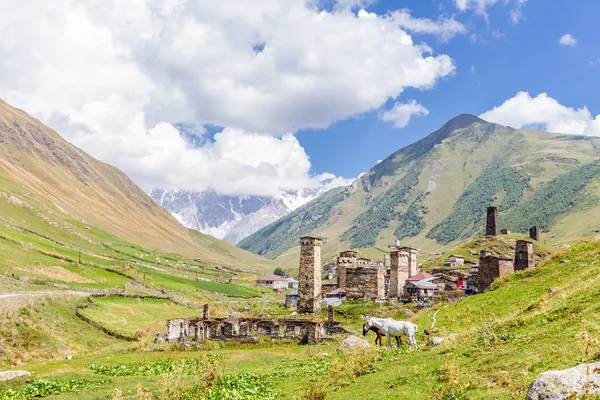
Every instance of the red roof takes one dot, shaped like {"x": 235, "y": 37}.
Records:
{"x": 338, "y": 291}
{"x": 272, "y": 277}
{"x": 419, "y": 277}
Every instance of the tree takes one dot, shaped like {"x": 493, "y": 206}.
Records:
{"x": 279, "y": 271}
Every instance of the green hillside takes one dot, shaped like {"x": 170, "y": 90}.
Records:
{"x": 433, "y": 194}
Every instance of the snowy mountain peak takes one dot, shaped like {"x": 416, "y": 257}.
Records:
{"x": 231, "y": 218}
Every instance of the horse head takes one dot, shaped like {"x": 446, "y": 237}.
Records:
{"x": 367, "y": 326}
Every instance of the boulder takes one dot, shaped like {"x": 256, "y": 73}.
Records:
{"x": 235, "y": 314}
{"x": 434, "y": 341}
{"x": 353, "y": 342}
{"x": 8, "y": 375}
{"x": 562, "y": 384}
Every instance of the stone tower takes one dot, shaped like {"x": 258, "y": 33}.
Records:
{"x": 413, "y": 268}
{"x": 492, "y": 268}
{"x": 309, "y": 285}
{"x": 345, "y": 260}
{"x": 524, "y": 255}
{"x": 399, "y": 272}
{"x": 491, "y": 225}
{"x": 534, "y": 234}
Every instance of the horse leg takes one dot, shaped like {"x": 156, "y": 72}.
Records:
{"x": 377, "y": 338}
{"x": 412, "y": 340}
{"x": 389, "y": 342}
{"x": 399, "y": 341}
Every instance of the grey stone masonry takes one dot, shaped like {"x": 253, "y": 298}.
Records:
{"x": 491, "y": 225}
{"x": 345, "y": 260}
{"x": 492, "y": 268}
{"x": 309, "y": 285}
{"x": 399, "y": 272}
{"x": 534, "y": 233}
{"x": 524, "y": 255}
{"x": 413, "y": 268}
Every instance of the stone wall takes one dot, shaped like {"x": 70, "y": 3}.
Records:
{"x": 249, "y": 329}
{"x": 524, "y": 255}
{"x": 492, "y": 268}
{"x": 309, "y": 285}
{"x": 365, "y": 283}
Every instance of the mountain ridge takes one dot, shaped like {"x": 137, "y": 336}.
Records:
{"x": 434, "y": 192}
{"x": 49, "y": 185}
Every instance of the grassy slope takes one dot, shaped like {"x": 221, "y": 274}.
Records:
{"x": 527, "y": 329}
{"x": 49, "y": 186}
{"x": 450, "y": 168}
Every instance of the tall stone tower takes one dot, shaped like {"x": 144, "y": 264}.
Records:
{"x": 399, "y": 272}
{"x": 524, "y": 256}
{"x": 534, "y": 233}
{"x": 413, "y": 268}
{"x": 309, "y": 285}
{"x": 491, "y": 225}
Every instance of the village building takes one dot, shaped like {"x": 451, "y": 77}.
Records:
{"x": 345, "y": 260}
{"x": 275, "y": 282}
{"x": 292, "y": 283}
{"x": 339, "y": 293}
{"x": 421, "y": 289}
{"x": 455, "y": 260}
{"x": 365, "y": 282}
{"x": 492, "y": 268}
{"x": 291, "y": 300}
{"x": 446, "y": 282}
{"x": 524, "y": 255}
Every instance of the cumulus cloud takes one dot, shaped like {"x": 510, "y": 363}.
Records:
{"x": 445, "y": 28}
{"x": 115, "y": 78}
{"x": 568, "y": 40}
{"x": 523, "y": 110}
{"x": 401, "y": 113}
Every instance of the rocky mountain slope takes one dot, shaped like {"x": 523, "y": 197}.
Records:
{"x": 434, "y": 193}
{"x": 231, "y": 218}
{"x": 51, "y": 187}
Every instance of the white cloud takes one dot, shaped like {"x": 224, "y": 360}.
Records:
{"x": 114, "y": 77}
{"x": 481, "y": 7}
{"x": 445, "y": 28}
{"x": 568, "y": 40}
{"x": 524, "y": 110}
{"x": 401, "y": 113}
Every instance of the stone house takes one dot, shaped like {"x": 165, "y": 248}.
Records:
{"x": 274, "y": 282}
{"x": 421, "y": 290}
{"x": 291, "y": 300}
{"x": 339, "y": 293}
{"x": 445, "y": 282}
{"x": 292, "y": 283}
{"x": 455, "y": 260}
{"x": 492, "y": 268}
{"x": 366, "y": 282}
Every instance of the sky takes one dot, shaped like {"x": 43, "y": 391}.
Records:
{"x": 251, "y": 97}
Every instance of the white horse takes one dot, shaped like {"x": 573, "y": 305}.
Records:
{"x": 391, "y": 327}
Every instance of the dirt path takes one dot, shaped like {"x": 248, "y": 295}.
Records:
{"x": 48, "y": 293}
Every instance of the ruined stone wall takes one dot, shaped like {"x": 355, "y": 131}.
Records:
{"x": 524, "y": 255}
{"x": 399, "y": 272}
{"x": 249, "y": 329}
{"x": 309, "y": 285}
{"x": 366, "y": 282}
{"x": 492, "y": 268}
{"x": 491, "y": 225}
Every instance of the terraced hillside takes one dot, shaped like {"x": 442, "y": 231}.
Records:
{"x": 433, "y": 194}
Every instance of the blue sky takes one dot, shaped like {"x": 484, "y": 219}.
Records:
{"x": 494, "y": 61}
{"x": 258, "y": 97}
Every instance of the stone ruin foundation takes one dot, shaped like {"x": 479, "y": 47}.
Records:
{"x": 248, "y": 329}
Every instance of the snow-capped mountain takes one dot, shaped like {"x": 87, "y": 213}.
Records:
{"x": 231, "y": 218}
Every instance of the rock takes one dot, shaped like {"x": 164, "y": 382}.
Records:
{"x": 69, "y": 357}
{"x": 553, "y": 289}
{"x": 352, "y": 342}
{"x": 235, "y": 314}
{"x": 294, "y": 313}
{"x": 565, "y": 261}
{"x": 408, "y": 313}
{"x": 452, "y": 336}
{"x": 434, "y": 341}
{"x": 160, "y": 338}
{"x": 8, "y": 375}
{"x": 558, "y": 385}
